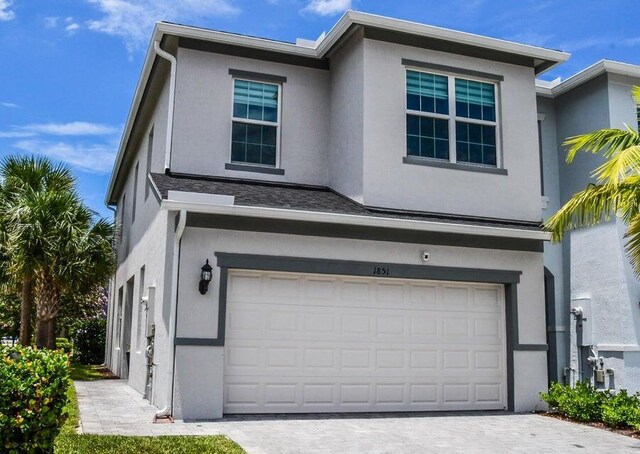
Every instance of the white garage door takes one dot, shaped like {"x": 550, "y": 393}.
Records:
{"x": 316, "y": 343}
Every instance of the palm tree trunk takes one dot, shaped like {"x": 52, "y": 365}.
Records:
{"x": 26, "y": 308}
{"x": 46, "y": 334}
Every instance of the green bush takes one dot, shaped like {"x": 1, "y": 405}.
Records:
{"x": 33, "y": 387}
{"x": 621, "y": 410}
{"x": 585, "y": 403}
{"x": 582, "y": 402}
{"x": 89, "y": 341}
{"x": 64, "y": 344}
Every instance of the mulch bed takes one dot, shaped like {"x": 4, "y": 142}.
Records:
{"x": 106, "y": 373}
{"x": 633, "y": 433}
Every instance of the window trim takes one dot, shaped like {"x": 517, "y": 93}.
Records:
{"x": 277, "y": 125}
{"x": 452, "y": 117}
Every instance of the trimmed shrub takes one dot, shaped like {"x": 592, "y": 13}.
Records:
{"x": 621, "y": 410}
{"x": 33, "y": 387}
{"x": 89, "y": 341}
{"x": 582, "y": 402}
{"x": 64, "y": 344}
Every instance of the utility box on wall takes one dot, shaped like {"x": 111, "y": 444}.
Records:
{"x": 581, "y": 310}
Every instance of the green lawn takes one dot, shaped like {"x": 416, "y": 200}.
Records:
{"x": 69, "y": 442}
{"x": 80, "y": 372}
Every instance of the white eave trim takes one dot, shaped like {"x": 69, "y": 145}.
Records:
{"x": 603, "y": 66}
{"x": 349, "y": 219}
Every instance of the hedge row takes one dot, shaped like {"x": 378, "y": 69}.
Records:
{"x": 33, "y": 386}
{"x": 587, "y": 404}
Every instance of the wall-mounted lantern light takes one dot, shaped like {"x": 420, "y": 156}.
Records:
{"x": 206, "y": 274}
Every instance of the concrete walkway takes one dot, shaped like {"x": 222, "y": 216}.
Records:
{"x": 112, "y": 407}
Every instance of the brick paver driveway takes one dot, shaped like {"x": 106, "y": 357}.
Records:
{"x": 111, "y": 407}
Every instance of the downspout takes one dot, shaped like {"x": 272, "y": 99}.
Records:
{"x": 166, "y": 411}
{"x": 111, "y": 304}
{"x": 172, "y": 93}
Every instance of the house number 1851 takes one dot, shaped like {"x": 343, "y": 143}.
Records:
{"x": 380, "y": 271}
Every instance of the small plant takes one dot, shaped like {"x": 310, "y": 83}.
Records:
{"x": 89, "y": 341}
{"x": 33, "y": 387}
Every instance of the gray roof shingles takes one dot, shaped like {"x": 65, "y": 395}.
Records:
{"x": 308, "y": 198}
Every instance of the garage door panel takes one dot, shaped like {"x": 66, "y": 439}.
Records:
{"x": 307, "y": 343}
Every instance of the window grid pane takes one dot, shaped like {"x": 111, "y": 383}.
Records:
{"x": 476, "y": 143}
{"x": 427, "y": 137}
{"x": 255, "y": 144}
{"x": 475, "y": 100}
{"x": 255, "y": 101}
{"x": 427, "y": 92}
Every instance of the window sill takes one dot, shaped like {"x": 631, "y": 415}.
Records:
{"x": 250, "y": 168}
{"x": 451, "y": 165}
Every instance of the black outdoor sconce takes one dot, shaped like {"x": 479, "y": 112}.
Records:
{"x": 205, "y": 277}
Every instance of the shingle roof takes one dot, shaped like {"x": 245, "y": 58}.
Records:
{"x": 285, "y": 196}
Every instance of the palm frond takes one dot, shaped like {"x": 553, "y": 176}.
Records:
{"x": 605, "y": 141}
{"x": 591, "y": 206}
{"x": 633, "y": 244}
{"x": 620, "y": 165}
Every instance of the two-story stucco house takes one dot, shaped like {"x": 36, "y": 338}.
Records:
{"x": 370, "y": 205}
{"x": 590, "y": 269}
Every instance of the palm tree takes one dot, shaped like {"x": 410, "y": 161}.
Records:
{"x": 616, "y": 191}
{"x": 17, "y": 176}
{"x": 51, "y": 242}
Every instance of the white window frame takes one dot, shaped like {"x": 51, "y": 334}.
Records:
{"x": 256, "y": 122}
{"x": 453, "y": 118}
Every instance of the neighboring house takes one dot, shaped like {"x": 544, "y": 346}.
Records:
{"x": 590, "y": 269}
{"x": 370, "y": 204}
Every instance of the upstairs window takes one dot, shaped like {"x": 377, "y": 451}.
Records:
{"x": 451, "y": 119}
{"x": 255, "y": 123}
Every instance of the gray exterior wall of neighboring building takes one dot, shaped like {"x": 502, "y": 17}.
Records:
{"x": 595, "y": 271}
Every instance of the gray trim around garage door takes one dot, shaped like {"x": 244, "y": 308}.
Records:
{"x": 508, "y": 278}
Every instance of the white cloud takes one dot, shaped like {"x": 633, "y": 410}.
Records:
{"x": 16, "y": 134}
{"x": 93, "y": 158}
{"x": 5, "y": 13}
{"x": 133, "y": 20}
{"x": 71, "y": 28}
{"x": 10, "y": 105}
{"x": 74, "y": 128}
{"x": 51, "y": 22}
{"x": 327, "y": 7}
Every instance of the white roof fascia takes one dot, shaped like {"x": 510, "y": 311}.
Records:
{"x": 591, "y": 72}
{"x": 349, "y": 219}
{"x": 430, "y": 31}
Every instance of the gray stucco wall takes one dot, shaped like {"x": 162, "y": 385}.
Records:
{"x": 552, "y": 160}
{"x": 347, "y": 116}
{"x": 147, "y": 242}
{"x": 202, "y": 124}
{"x": 388, "y": 182}
{"x": 197, "y": 314}
{"x": 594, "y": 261}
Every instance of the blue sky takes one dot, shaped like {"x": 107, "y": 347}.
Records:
{"x": 68, "y": 68}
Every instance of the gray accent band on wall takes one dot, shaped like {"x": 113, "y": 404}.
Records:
{"x": 322, "y": 229}
{"x": 256, "y": 169}
{"x": 451, "y": 69}
{"x": 531, "y": 347}
{"x": 407, "y": 39}
{"x": 414, "y": 160}
{"x": 354, "y": 268}
{"x": 258, "y": 76}
{"x": 254, "y": 54}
